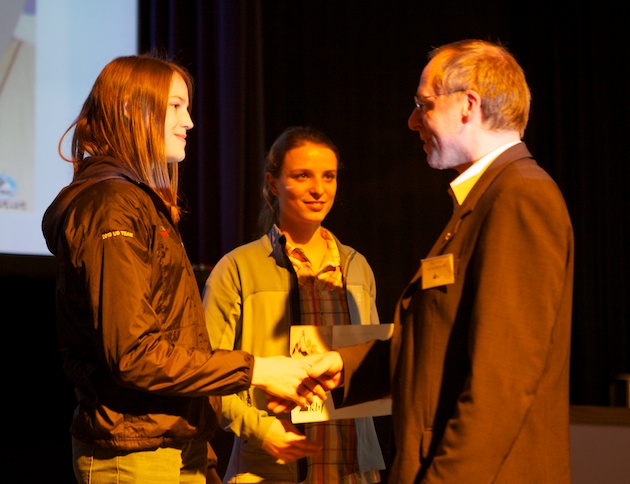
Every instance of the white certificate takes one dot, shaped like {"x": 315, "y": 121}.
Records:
{"x": 306, "y": 340}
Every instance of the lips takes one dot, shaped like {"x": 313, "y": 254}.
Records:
{"x": 316, "y": 205}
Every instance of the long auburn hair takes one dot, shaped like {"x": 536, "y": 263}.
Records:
{"x": 123, "y": 117}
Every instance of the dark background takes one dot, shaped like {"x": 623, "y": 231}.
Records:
{"x": 351, "y": 68}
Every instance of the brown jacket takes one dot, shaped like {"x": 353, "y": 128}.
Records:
{"x": 131, "y": 326}
{"x": 479, "y": 368}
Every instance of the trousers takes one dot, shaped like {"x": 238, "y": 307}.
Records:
{"x": 186, "y": 464}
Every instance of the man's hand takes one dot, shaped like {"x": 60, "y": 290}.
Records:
{"x": 287, "y": 379}
{"x": 322, "y": 373}
{"x": 326, "y": 369}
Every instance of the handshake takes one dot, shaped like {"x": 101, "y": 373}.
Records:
{"x": 292, "y": 382}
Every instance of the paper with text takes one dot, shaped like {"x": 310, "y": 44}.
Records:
{"x": 306, "y": 340}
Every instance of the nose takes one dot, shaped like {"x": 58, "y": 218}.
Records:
{"x": 187, "y": 122}
{"x": 317, "y": 187}
{"x": 415, "y": 120}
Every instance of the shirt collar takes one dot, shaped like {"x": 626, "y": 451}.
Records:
{"x": 462, "y": 185}
{"x": 332, "y": 260}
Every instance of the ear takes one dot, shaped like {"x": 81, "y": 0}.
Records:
{"x": 271, "y": 183}
{"x": 472, "y": 103}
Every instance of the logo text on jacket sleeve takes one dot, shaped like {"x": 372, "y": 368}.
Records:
{"x": 116, "y": 233}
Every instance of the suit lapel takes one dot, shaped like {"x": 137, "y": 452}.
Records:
{"x": 512, "y": 154}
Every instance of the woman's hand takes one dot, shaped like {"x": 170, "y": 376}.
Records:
{"x": 286, "y": 443}
{"x": 287, "y": 378}
{"x": 325, "y": 371}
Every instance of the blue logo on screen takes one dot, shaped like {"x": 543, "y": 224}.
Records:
{"x": 8, "y": 188}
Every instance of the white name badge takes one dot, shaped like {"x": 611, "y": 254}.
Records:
{"x": 438, "y": 271}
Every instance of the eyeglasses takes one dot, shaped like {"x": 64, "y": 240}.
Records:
{"x": 421, "y": 102}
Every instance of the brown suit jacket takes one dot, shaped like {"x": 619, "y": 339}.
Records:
{"x": 479, "y": 369}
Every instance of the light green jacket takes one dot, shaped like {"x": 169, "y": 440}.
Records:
{"x": 247, "y": 300}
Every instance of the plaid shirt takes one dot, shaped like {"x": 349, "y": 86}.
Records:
{"x": 323, "y": 303}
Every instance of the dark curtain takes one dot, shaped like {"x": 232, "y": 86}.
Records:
{"x": 219, "y": 42}
{"x": 350, "y": 68}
